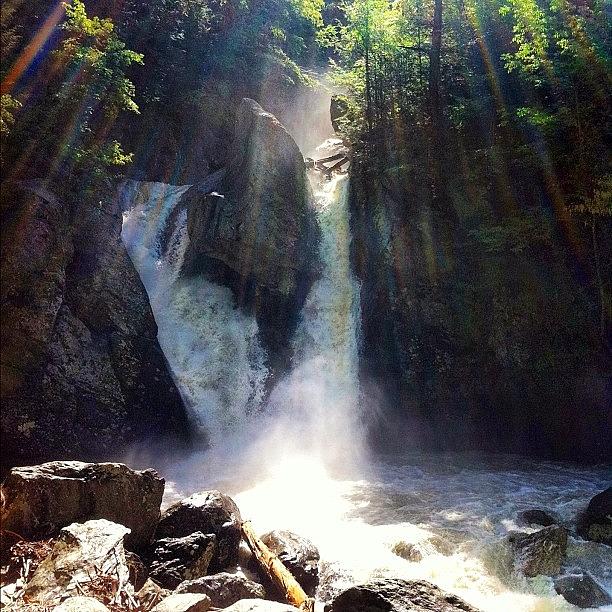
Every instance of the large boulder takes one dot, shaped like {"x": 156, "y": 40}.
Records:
{"x": 224, "y": 589}
{"x": 210, "y": 512}
{"x": 259, "y": 605}
{"x": 177, "y": 559}
{"x": 595, "y": 522}
{"x": 397, "y": 595}
{"x": 541, "y": 552}
{"x": 83, "y": 375}
{"x": 582, "y": 591}
{"x": 536, "y": 516}
{"x": 41, "y": 499}
{"x": 257, "y": 232}
{"x": 81, "y": 604}
{"x": 82, "y": 556}
{"x": 185, "y": 602}
{"x": 299, "y": 555}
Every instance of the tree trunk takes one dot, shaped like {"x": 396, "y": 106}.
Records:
{"x": 434, "y": 63}
{"x": 280, "y": 576}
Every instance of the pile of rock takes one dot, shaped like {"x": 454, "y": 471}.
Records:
{"x": 543, "y": 552}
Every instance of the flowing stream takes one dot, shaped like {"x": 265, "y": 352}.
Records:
{"x": 297, "y": 460}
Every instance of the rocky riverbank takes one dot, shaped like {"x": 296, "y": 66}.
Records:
{"x": 79, "y": 536}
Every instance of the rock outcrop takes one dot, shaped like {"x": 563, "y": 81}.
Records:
{"x": 186, "y": 602}
{"x": 260, "y": 605}
{"x": 535, "y": 516}
{"x": 257, "y": 233}
{"x": 299, "y": 555}
{"x": 78, "y": 340}
{"x": 541, "y": 552}
{"x": 41, "y": 499}
{"x": 595, "y": 522}
{"x": 224, "y": 589}
{"x": 397, "y": 595}
{"x": 209, "y": 512}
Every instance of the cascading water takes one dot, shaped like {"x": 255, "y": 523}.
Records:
{"x": 293, "y": 464}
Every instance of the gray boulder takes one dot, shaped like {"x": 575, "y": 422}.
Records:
{"x": 536, "y": 516}
{"x": 595, "y": 521}
{"x": 397, "y": 595}
{"x": 210, "y": 512}
{"x": 185, "y": 602}
{"x": 224, "y": 589}
{"x": 81, "y": 555}
{"x": 582, "y": 591}
{"x": 259, "y": 605}
{"x": 81, "y": 604}
{"x": 177, "y": 559}
{"x": 541, "y": 552}
{"x": 41, "y": 499}
{"x": 299, "y": 555}
{"x": 258, "y": 233}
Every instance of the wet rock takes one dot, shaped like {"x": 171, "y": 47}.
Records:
{"x": 41, "y": 499}
{"x": 535, "y": 516}
{"x": 177, "y": 559}
{"x": 185, "y": 602}
{"x": 81, "y": 555}
{"x": 595, "y": 522}
{"x": 541, "y": 552}
{"x": 139, "y": 572}
{"x": 209, "y": 512}
{"x": 582, "y": 591}
{"x": 81, "y": 604}
{"x": 78, "y": 335}
{"x": 259, "y": 235}
{"x": 397, "y": 595}
{"x": 224, "y": 589}
{"x": 260, "y": 605}
{"x": 408, "y": 551}
{"x": 151, "y": 594}
{"x": 299, "y": 555}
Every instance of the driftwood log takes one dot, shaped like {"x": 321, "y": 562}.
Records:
{"x": 280, "y": 576}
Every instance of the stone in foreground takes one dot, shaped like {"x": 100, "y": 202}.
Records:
{"x": 541, "y": 552}
{"x": 535, "y": 516}
{"x": 582, "y": 591}
{"x": 81, "y": 604}
{"x": 185, "y": 602}
{"x": 179, "y": 559}
{"x": 224, "y": 589}
{"x": 82, "y": 554}
{"x": 260, "y": 605}
{"x": 208, "y": 512}
{"x": 595, "y": 522}
{"x": 299, "y": 555}
{"x": 397, "y": 595}
{"x": 41, "y": 499}
{"x": 151, "y": 594}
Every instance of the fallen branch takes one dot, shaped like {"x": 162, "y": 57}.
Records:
{"x": 280, "y": 576}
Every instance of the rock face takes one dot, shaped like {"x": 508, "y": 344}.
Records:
{"x": 78, "y": 338}
{"x": 541, "y": 552}
{"x": 42, "y": 499}
{"x": 257, "y": 234}
{"x": 82, "y": 554}
{"x": 396, "y": 595}
{"x": 210, "y": 512}
{"x": 595, "y": 522}
{"x": 299, "y": 555}
{"x": 224, "y": 589}
{"x": 582, "y": 591}
{"x": 178, "y": 559}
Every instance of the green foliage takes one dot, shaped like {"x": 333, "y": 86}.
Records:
{"x": 8, "y": 106}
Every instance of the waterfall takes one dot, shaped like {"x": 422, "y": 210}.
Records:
{"x": 212, "y": 347}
